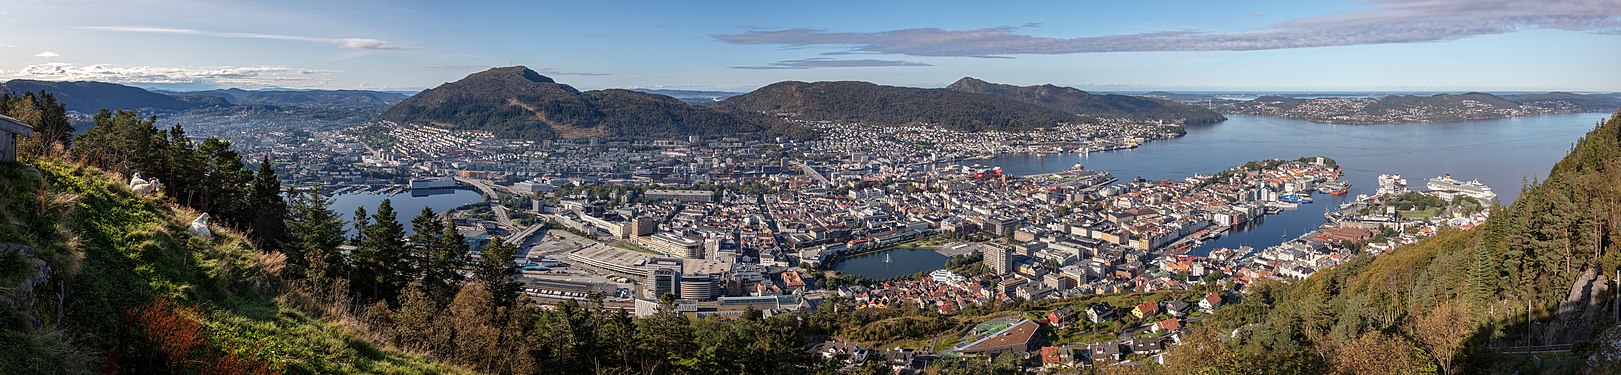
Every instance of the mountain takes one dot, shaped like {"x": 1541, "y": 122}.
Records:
{"x": 91, "y": 97}
{"x": 518, "y": 102}
{"x": 1075, "y": 101}
{"x": 1455, "y": 302}
{"x": 872, "y": 103}
{"x": 304, "y": 98}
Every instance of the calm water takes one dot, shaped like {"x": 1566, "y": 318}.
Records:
{"x": 903, "y": 261}
{"x": 1501, "y": 153}
{"x": 406, "y": 206}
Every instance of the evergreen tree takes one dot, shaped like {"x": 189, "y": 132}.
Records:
{"x": 224, "y": 183}
{"x": 360, "y": 223}
{"x": 377, "y": 260}
{"x": 268, "y": 218}
{"x": 185, "y": 170}
{"x": 316, "y": 230}
{"x": 449, "y": 256}
{"x": 426, "y": 229}
{"x": 495, "y": 271}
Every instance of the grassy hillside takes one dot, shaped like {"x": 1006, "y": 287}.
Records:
{"x": 1454, "y": 303}
{"x": 129, "y": 290}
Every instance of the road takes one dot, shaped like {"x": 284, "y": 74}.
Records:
{"x": 501, "y": 216}
{"x": 813, "y": 173}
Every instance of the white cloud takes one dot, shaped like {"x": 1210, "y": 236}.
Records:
{"x": 1387, "y": 21}
{"x": 348, "y": 43}
{"x": 237, "y": 76}
{"x": 47, "y": 54}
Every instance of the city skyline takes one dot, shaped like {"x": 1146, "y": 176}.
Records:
{"x": 1256, "y": 46}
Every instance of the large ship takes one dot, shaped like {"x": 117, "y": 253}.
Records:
{"x": 1295, "y": 198}
{"x": 1472, "y": 188}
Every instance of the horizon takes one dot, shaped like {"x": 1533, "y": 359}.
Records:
{"x": 1272, "y": 46}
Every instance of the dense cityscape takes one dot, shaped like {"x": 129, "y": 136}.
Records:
{"x": 832, "y": 188}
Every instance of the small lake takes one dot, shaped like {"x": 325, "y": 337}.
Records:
{"x": 903, "y": 261}
{"x": 406, "y": 205}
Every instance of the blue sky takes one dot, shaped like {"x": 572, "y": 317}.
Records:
{"x": 1425, "y": 45}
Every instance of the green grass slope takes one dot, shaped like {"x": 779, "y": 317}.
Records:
{"x": 132, "y": 291}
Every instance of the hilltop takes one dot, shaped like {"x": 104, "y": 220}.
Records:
{"x": 1080, "y": 102}
{"x": 855, "y": 101}
{"x": 518, "y": 102}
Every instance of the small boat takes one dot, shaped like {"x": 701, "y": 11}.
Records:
{"x": 886, "y": 258}
{"x": 1295, "y": 198}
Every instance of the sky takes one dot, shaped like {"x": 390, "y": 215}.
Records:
{"x": 1284, "y": 45}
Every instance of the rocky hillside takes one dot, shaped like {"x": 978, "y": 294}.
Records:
{"x": 1079, "y": 102}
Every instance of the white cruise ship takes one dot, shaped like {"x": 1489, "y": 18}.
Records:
{"x": 1471, "y": 188}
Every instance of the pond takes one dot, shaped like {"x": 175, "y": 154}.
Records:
{"x": 892, "y": 263}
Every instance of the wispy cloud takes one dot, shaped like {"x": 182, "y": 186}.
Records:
{"x": 824, "y": 62}
{"x": 1390, "y": 21}
{"x": 238, "y": 76}
{"x": 348, "y": 43}
{"x": 555, "y": 72}
{"x": 47, "y": 54}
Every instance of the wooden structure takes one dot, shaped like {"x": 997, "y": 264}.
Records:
{"x": 10, "y": 130}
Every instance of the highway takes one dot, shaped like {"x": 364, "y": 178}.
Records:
{"x": 501, "y": 216}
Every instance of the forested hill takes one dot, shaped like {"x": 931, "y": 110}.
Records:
{"x": 90, "y": 97}
{"x": 891, "y": 105}
{"x": 1075, "y": 101}
{"x": 518, "y": 102}
{"x": 1454, "y": 302}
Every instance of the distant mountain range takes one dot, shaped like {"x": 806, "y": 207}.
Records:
{"x": 91, "y": 97}
{"x": 1415, "y": 108}
{"x": 1075, "y": 101}
{"x": 314, "y": 98}
{"x": 518, "y": 102}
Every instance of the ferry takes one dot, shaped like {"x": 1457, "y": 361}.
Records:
{"x": 1334, "y": 188}
{"x": 1295, "y": 198}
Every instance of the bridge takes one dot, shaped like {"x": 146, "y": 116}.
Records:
{"x": 501, "y": 216}
{"x": 813, "y": 173}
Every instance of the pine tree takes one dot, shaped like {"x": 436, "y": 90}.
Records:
{"x": 426, "y": 229}
{"x": 377, "y": 259}
{"x": 361, "y": 221}
{"x": 268, "y": 221}
{"x": 449, "y": 256}
{"x": 317, "y": 231}
{"x": 495, "y": 271}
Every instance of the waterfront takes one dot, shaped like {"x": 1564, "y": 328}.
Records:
{"x": 903, "y": 261}
{"x": 1501, "y": 153}
{"x": 406, "y": 205}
